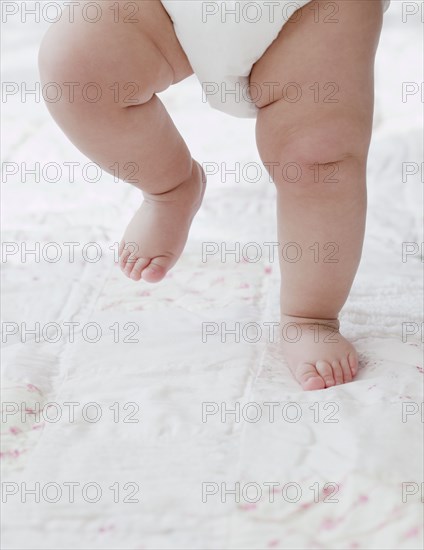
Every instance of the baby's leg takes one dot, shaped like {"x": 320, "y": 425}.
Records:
{"x": 128, "y": 131}
{"x": 326, "y": 135}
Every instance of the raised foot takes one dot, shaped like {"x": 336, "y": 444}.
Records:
{"x": 318, "y": 355}
{"x": 155, "y": 238}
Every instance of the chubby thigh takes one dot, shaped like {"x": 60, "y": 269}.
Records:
{"x": 120, "y": 38}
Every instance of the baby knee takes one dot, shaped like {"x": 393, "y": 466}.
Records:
{"x": 312, "y": 151}
{"x": 88, "y": 73}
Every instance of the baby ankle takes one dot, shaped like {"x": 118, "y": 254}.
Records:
{"x": 333, "y": 324}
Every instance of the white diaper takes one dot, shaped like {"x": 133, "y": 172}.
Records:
{"x": 223, "y": 39}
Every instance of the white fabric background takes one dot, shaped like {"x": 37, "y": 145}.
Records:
{"x": 370, "y": 452}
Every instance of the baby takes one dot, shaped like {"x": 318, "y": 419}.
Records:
{"x": 303, "y": 69}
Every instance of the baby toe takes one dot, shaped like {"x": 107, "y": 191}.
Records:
{"x": 347, "y": 373}
{"x": 353, "y": 363}
{"x": 337, "y": 372}
{"x": 309, "y": 378}
{"x": 156, "y": 270}
{"x": 123, "y": 258}
{"x": 326, "y": 372}
{"x": 140, "y": 264}
{"x": 129, "y": 266}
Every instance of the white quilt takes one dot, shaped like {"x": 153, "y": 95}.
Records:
{"x": 336, "y": 469}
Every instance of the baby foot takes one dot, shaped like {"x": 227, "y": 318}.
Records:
{"x": 318, "y": 355}
{"x": 158, "y": 232}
